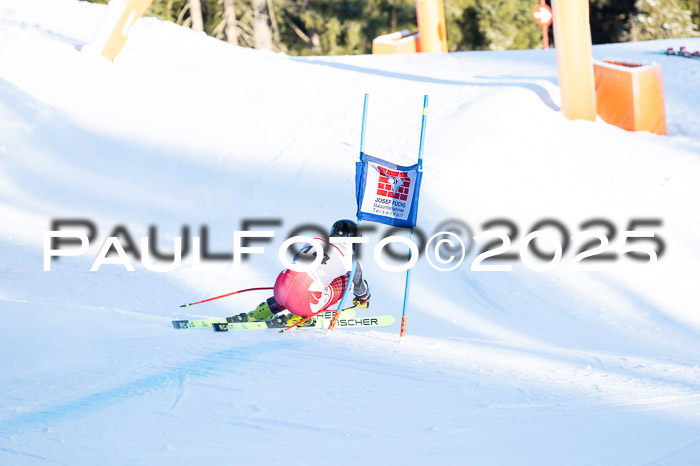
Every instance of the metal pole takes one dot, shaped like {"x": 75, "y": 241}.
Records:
{"x": 407, "y": 289}
{"x": 422, "y": 133}
{"x": 364, "y": 125}
{"x": 334, "y": 320}
{"x": 545, "y": 32}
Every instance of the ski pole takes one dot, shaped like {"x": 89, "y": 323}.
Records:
{"x": 336, "y": 316}
{"x": 224, "y": 295}
{"x": 334, "y": 321}
{"x": 340, "y": 309}
{"x": 351, "y": 277}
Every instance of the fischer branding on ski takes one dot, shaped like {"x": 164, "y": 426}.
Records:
{"x": 369, "y": 321}
{"x": 375, "y": 321}
{"x": 207, "y": 323}
{"x": 264, "y": 325}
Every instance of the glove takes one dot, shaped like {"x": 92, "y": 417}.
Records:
{"x": 362, "y": 301}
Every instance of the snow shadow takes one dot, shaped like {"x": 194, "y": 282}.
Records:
{"x": 211, "y": 364}
{"x": 538, "y": 90}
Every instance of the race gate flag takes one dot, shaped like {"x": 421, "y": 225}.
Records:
{"x": 387, "y": 193}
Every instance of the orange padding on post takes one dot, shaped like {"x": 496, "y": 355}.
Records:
{"x": 403, "y": 326}
{"x": 396, "y": 42}
{"x": 630, "y": 95}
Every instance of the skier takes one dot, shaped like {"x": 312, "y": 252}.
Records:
{"x": 305, "y": 293}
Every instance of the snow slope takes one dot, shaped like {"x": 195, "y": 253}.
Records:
{"x": 559, "y": 367}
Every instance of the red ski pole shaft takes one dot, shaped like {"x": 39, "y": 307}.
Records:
{"x": 229, "y": 294}
{"x": 334, "y": 320}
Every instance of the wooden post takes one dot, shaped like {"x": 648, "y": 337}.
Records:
{"x": 432, "y": 35}
{"x": 114, "y": 27}
{"x": 572, "y": 36}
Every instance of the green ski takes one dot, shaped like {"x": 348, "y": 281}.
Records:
{"x": 343, "y": 322}
{"x": 199, "y": 323}
{"x": 363, "y": 321}
{"x": 207, "y": 323}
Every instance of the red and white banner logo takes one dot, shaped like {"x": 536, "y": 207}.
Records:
{"x": 389, "y": 192}
{"x": 392, "y": 183}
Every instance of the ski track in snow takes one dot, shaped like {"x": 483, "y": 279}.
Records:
{"x": 550, "y": 380}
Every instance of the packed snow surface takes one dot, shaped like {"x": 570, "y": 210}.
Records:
{"x": 519, "y": 367}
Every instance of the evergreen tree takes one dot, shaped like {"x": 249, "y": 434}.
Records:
{"x": 506, "y": 24}
{"x": 331, "y": 27}
{"x": 610, "y": 19}
{"x": 656, "y": 19}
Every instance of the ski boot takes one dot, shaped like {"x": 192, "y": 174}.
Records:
{"x": 261, "y": 313}
{"x": 287, "y": 319}
{"x": 293, "y": 319}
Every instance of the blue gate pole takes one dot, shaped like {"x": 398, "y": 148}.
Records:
{"x": 364, "y": 126}
{"x": 340, "y": 308}
{"x": 407, "y": 289}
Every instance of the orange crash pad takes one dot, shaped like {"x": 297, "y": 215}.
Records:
{"x": 630, "y": 95}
